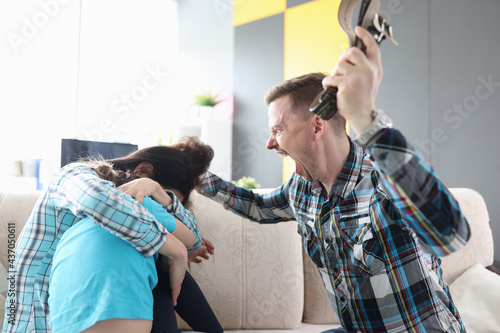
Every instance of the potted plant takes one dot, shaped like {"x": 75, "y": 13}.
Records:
{"x": 205, "y": 103}
{"x": 247, "y": 182}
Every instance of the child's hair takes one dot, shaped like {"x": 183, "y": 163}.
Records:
{"x": 178, "y": 166}
{"x": 197, "y": 153}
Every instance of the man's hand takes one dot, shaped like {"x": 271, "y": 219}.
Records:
{"x": 357, "y": 77}
{"x": 142, "y": 187}
{"x": 205, "y": 249}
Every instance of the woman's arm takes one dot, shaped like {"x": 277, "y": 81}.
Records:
{"x": 146, "y": 187}
{"x": 78, "y": 189}
{"x": 184, "y": 234}
{"x": 176, "y": 227}
{"x": 183, "y": 215}
{"x": 141, "y": 188}
{"x": 176, "y": 252}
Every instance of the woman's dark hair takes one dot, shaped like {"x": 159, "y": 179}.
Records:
{"x": 178, "y": 166}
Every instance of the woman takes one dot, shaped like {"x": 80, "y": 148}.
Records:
{"x": 83, "y": 197}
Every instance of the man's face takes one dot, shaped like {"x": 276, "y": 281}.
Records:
{"x": 291, "y": 136}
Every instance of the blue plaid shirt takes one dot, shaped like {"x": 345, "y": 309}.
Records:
{"x": 74, "y": 193}
{"x": 375, "y": 238}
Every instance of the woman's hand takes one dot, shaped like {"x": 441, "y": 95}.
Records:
{"x": 176, "y": 252}
{"x": 176, "y": 272}
{"x": 142, "y": 187}
{"x": 205, "y": 249}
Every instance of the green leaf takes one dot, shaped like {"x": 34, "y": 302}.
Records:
{"x": 247, "y": 182}
{"x": 206, "y": 99}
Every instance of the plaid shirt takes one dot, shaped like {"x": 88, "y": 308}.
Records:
{"x": 74, "y": 193}
{"x": 375, "y": 239}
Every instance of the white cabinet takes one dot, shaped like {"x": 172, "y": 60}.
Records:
{"x": 218, "y": 134}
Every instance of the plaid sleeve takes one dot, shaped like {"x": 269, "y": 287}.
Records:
{"x": 80, "y": 191}
{"x": 268, "y": 208}
{"x": 186, "y": 217}
{"x": 417, "y": 191}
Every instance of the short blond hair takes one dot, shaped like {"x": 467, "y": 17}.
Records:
{"x": 302, "y": 91}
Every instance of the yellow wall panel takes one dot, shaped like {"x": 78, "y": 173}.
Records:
{"x": 288, "y": 168}
{"x": 313, "y": 43}
{"x": 245, "y": 11}
{"x": 313, "y": 38}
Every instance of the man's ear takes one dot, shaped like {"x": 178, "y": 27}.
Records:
{"x": 145, "y": 169}
{"x": 320, "y": 127}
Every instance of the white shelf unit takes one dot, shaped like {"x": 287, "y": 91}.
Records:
{"x": 216, "y": 133}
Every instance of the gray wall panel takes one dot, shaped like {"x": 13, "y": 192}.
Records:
{"x": 293, "y": 3}
{"x": 465, "y": 49}
{"x": 258, "y": 52}
{"x": 447, "y": 50}
{"x": 206, "y": 37}
{"x": 404, "y": 92}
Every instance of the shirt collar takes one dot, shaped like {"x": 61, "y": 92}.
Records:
{"x": 348, "y": 177}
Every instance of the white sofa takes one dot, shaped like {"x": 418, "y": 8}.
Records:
{"x": 260, "y": 280}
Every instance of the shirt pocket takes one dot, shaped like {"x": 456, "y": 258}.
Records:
{"x": 311, "y": 244}
{"x": 364, "y": 254}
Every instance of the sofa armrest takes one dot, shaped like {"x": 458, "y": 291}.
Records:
{"x": 495, "y": 268}
{"x": 479, "y": 248}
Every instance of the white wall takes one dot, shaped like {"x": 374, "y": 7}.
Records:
{"x": 38, "y": 57}
{"x": 206, "y": 36}
{"x": 127, "y": 52}
{"x": 94, "y": 70}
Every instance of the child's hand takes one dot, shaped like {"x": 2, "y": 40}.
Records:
{"x": 209, "y": 245}
{"x": 204, "y": 251}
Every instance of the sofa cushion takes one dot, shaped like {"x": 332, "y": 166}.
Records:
{"x": 15, "y": 208}
{"x": 476, "y": 294}
{"x": 317, "y": 307}
{"x": 255, "y": 278}
{"x": 479, "y": 248}
{"x": 3, "y": 292}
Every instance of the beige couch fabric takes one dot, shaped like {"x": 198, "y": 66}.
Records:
{"x": 14, "y": 208}
{"x": 479, "y": 249}
{"x": 317, "y": 307}
{"x": 258, "y": 277}
{"x": 255, "y": 279}
{"x": 476, "y": 300}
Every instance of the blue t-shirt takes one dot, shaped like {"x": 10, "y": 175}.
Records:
{"x": 159, "y": 213}
{"x": 97, "y": 275}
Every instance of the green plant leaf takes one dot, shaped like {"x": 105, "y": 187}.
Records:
{"x": 247, "y": 182}
{"x": 206, "y": 99}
